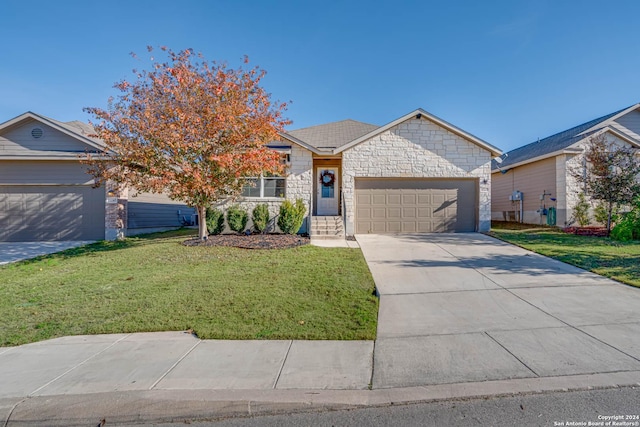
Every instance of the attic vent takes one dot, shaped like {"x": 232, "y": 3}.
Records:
{"x": 36, "y": 133}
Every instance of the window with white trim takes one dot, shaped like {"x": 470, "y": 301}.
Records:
{"x": 266, "y": 185}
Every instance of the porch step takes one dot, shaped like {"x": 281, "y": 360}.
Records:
{"x": 327, "y": 227}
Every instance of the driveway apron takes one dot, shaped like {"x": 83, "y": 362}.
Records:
{"x": 466, "y": 307}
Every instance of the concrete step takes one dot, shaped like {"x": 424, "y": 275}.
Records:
{"x": 327, "y": 227}
{"x": 326, "y": 237}
{"x": 327, "y": 233}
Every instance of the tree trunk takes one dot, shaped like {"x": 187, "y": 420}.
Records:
{"x": 202, "y": 222}
{"x": 609, "y": 218}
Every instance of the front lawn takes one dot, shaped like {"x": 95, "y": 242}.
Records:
{"x": 617, "y": 260}
{"x": 155, "y": 283}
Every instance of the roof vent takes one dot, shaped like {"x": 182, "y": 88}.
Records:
{"x": 37, "y": 133}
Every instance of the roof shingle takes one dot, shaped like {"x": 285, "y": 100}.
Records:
{"x": 550, "y": 144}
{"x": 333, "y": 135}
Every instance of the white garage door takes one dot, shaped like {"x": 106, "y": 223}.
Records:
{"x": 389, "y": 205}
{"x": 41, "y": 213}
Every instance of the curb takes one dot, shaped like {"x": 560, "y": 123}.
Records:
{"x": 165, "y": 406}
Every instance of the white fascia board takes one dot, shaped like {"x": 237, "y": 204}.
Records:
{"x": 300, "y": 143}
{"x": 44, "y": 120}
{"x": 442, "y": 123}
{"x": 541, "y": 157}
{"x": 611, "y": 119}
{"x": 73, "y": 134}
{"x": 49, "y": 156}
{"x": 634, "y": 142}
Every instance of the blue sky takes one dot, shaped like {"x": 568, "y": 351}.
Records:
{"x": 507, "y": 71}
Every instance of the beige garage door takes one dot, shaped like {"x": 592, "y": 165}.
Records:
{"x": 415, "y": 205}
{"x": 40, "y": 213}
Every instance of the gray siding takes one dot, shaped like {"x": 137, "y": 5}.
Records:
{"x": 629, "y": 124}
{"x": 43, "y": 172}
{"x": 531, "y": 179}
{"x": 18, "y": 139}
{"x": 148, "y": 210}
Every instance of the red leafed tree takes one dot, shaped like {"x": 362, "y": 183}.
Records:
{"x": 188, "y": 128}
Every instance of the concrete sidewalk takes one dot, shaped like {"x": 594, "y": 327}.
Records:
{"x": 180, "y": 361}
{"x": 18, "y": 251}
{"x": 460, "y": 316}
{"x": 173, "y": 376}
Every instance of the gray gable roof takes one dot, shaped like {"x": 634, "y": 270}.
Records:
{"x": 553, "y": 143}
{"x": 332, "y": 135}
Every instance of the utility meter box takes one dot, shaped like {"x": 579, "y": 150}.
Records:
{"x": 516, "y": 196}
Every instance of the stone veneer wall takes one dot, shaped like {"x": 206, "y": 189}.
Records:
{"x": 299, "y": 186}
{"x": 417, "y": 148}
{"x": 115, "y": 214}
{"x": 569, "y": 192}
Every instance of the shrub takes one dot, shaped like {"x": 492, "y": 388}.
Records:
{"x": 601, "y": 213}
{"x": 215, "y": 221}
{"x": 237, "y": 218}
{"x": 581, "y": 211}
{"x": 623, "y": 231}
{"x": 628, "y": 228}
{"x": 291, "y": 216}
{"x": 260, "y": 217}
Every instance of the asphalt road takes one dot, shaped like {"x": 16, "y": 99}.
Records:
{"x": 618, "y": 407}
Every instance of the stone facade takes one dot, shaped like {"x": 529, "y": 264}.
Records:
{"x": 299, "y": 186}
{"x": 115, "y": 212}
{"x": 572, "y": 187}
{"x": 417, "y": 148}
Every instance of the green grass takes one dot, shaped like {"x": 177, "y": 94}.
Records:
{"x": 156, "y": 284}
{"x": 617, "y": 260}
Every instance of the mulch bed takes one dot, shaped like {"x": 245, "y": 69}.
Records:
{"x": 587, "y": 231}
{"x": 251, "y": 241}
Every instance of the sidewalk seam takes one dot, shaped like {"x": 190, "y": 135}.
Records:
{"x": 174, "y": 365}
{"x": 373, "y": 364}
{"x": 508, "y": 351}
{"x": 78, "y": 365}
{"x": 6, "y": 423}
{"x": 286, "y": 355}
{"x": 512, "y": 291}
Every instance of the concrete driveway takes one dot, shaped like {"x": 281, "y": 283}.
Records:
{"x": 18, "y": 251}
{"x": 466, "y": 307}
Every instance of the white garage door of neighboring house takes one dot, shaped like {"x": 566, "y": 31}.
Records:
{"x": 398, "y": 205}
{"x": 40, "y": 213}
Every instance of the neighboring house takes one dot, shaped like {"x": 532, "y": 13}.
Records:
{"x": 415, "y": 174}
{"x": 543, "y": 172}
{"x": 46, "y": 194}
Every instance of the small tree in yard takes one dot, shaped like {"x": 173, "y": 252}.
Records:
{"x": 190, "y": 129}
{"x": 581, "y": 211}
{"x": 611, "y": 174}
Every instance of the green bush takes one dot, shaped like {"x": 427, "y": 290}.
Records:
{"x": 623, "y": 232}
{"x": 581, "y": 211}
{"x": 260, "y": 217}
{"x": 291, "y": 216}
{"x": 237, "y": 218}
{"x": 215, "y": 221}
{"x": 628, "y": 228}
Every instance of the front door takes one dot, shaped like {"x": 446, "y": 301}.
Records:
{"x": 328, "y": 191}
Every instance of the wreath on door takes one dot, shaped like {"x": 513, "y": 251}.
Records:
{"x": 327, "y": 178}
